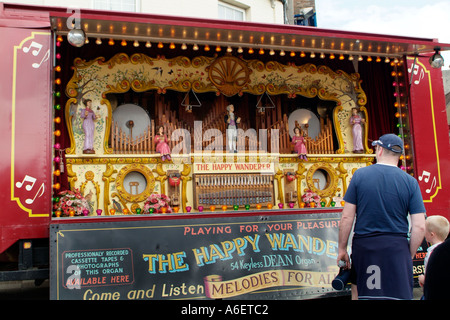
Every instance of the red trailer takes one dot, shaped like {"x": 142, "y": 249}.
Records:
{"x": 237, "y": 224}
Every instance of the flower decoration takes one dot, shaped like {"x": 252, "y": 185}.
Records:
{"x": 309, "y": 197}
{"x": 71, "y": 200}
{"x": 157, "y": 202}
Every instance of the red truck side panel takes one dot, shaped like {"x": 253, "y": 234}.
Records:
{"x": 25, "y": 115}
{"x": 430, "y": 135}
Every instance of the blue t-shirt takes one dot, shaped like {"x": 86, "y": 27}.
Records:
{"x": 383, "y": 195}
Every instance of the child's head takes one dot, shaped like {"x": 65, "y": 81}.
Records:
{"x": 437, "y": 228}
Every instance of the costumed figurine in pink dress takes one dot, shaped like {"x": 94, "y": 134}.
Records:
{"x": 298, "y": 140}
{"x": 162, "y": 145}
{"x": 356, "y": 121}
{"x": 88, "y": 117}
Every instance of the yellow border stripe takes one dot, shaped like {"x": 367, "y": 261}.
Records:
{"x": 13, "y": 125}
{"x": 438, "y": 185}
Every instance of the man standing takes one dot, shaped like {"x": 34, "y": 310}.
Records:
{"x": 379, "y": 199}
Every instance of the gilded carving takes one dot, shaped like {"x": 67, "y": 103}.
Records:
{"x": 336, "y": 168}
{"x": 89, "y": 176}
{"x": 107, "y": 178}
{"x": 162, "y": 177}
{"x": 150, "y": 179}
{"x": 331, "y": 176}
{"x": 228, "y": 75}
{"x": 69, "y": 120}
{"x": 367, "y": 149}
{"x": 185, "y": 178}
{"x": 278, "y": 176}
{"x": 71, "y": 176}
{"x": 300, "y": 176}
{"x": 107, "y": 149}
{"x": 342, "y": 172}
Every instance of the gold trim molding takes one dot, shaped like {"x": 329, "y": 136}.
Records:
{"x": 332, "y": 179}
{"x": 146, "y": 172}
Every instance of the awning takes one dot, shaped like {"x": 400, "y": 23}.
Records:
{"x": 161, "y": 28}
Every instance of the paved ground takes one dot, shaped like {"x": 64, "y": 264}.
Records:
{"x": 24, "y": 290}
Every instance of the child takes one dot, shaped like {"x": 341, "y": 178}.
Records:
{"x": 436, "y": 231}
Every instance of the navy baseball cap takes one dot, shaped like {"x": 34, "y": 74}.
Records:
{"x": 391, "y": 142}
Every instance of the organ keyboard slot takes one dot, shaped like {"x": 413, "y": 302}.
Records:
{"x": 233, "y": 189}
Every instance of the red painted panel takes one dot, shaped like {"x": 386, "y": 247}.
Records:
{"x": 430, "y": 135}
{"x": 25, "y": 163}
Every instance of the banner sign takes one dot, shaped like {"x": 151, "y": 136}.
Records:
{"x": 234, "y": 167}
{"x": 228, "y": 257}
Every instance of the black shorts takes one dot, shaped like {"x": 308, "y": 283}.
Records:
{"x": 382, "y": 267}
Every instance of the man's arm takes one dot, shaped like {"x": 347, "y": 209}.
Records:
{"x": 417, "y": 232}
{"x": 345, "y": 226}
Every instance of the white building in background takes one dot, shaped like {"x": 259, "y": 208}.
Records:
{"x": 267, "y": 11}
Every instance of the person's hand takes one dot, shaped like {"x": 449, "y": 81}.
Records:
{"x": 343, "y": 256}
{"x": 421, "y": 280}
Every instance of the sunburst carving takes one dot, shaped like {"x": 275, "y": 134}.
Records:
{"x": 229, "y": 75}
